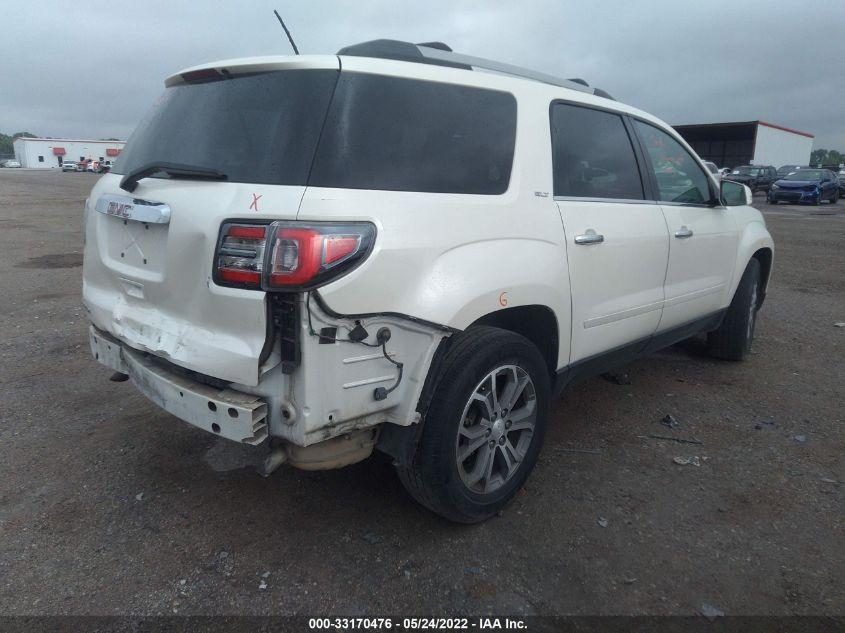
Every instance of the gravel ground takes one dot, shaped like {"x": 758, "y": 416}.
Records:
{"x": 110, "y": 506}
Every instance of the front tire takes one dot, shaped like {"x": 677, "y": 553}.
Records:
{"x": 484, "y": 426}
{"x": 732, "y": 341}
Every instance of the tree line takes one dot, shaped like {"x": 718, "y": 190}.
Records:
{"x": 6, "y": 142}
{"x": 826, "y": 157}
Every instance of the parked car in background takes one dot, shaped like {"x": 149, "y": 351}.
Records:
{"x": 724, "y": 171}
{"x": 755, "y": 177}
{"x": 785, "y": 170}
{"x": 98, "y": 167}
{"x": 70, "y": 165}
{"x": 11, "y": 163}
{"x": 713, "y": 169}
{"x": 806, "y": 185}
{"x": 841, "y": 178}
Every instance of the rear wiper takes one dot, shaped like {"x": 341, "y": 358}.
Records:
{"x": 130, "y": 180}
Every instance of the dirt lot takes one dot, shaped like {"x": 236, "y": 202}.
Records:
{"x": 110, "y": 506}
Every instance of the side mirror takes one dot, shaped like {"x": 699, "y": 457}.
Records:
{"x": 734, "y": 194}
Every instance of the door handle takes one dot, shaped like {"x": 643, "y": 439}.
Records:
{"x": 683, "y": 233}
{"x": 590, "y": 237}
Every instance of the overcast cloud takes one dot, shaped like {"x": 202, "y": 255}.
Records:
{"x": 91, "y": 70}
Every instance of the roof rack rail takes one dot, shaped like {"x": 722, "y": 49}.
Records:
{"x": 440, "y": 54}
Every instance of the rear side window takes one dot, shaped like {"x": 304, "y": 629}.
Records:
{"x": 257, "y": 128}
{"x": 679, "y": 178}
{"x": 402, "y": 134}
{"x": 592, "y": 154}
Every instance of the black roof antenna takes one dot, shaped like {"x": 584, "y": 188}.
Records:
{"x": 282, "y": 22}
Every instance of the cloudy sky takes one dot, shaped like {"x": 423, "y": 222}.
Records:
{"x": 91, "y": 69}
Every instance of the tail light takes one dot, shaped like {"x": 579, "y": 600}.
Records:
{"x": 240, "y": 255}
{"x": 289, "y": 255}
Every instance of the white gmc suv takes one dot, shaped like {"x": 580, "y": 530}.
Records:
{"x": 406, "y": 249}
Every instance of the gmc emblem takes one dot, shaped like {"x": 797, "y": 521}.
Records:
{"x": 119, "y": 209}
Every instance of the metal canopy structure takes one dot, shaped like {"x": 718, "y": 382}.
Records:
{"x": 748, "y": 142}
{"x": 726, "y": 144}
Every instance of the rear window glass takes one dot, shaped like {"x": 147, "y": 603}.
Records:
{"x": 259, "y": 128}
{"x": 378, "y": 132}
{"x": 592, "y": 154}
{"x": 407, "y": 135}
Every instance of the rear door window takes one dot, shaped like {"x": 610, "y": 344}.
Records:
{"x": 679, "y": 177}
{"x": 593, "y": 156}
{"x": 401, "y": 134}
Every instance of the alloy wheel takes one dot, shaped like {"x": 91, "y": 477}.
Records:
{"x": 496, "y": 428}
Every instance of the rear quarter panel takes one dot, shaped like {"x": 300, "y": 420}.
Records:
{"x": 453, "y": 258}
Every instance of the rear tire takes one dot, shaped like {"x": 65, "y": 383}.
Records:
{"x": 732, "y": 341}
{"x": 484, "y": 426}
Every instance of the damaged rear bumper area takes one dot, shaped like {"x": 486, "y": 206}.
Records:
{"x": 324, "y": 403}
{"x": 237, "y": 416}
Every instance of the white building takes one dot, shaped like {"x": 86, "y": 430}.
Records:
{"x": 47, "y": 153}
{"x": 748, "y": 143}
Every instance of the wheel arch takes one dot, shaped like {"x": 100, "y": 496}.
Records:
{"x": 765, "y": 257}
{"x": 537, "y": 323}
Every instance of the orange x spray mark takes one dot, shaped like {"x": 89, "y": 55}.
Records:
{"x": 254, "y": 204}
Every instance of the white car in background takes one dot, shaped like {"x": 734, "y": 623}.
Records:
{"x": 99, "y": 167}
{"x": 713, "y": 169}
{"x": 406, "y": 252}
{"x": 70, "y": 165}
{"x": 10, "y": 163}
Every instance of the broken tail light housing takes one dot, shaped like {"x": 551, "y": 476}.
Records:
{"x": 289, "y": 256}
